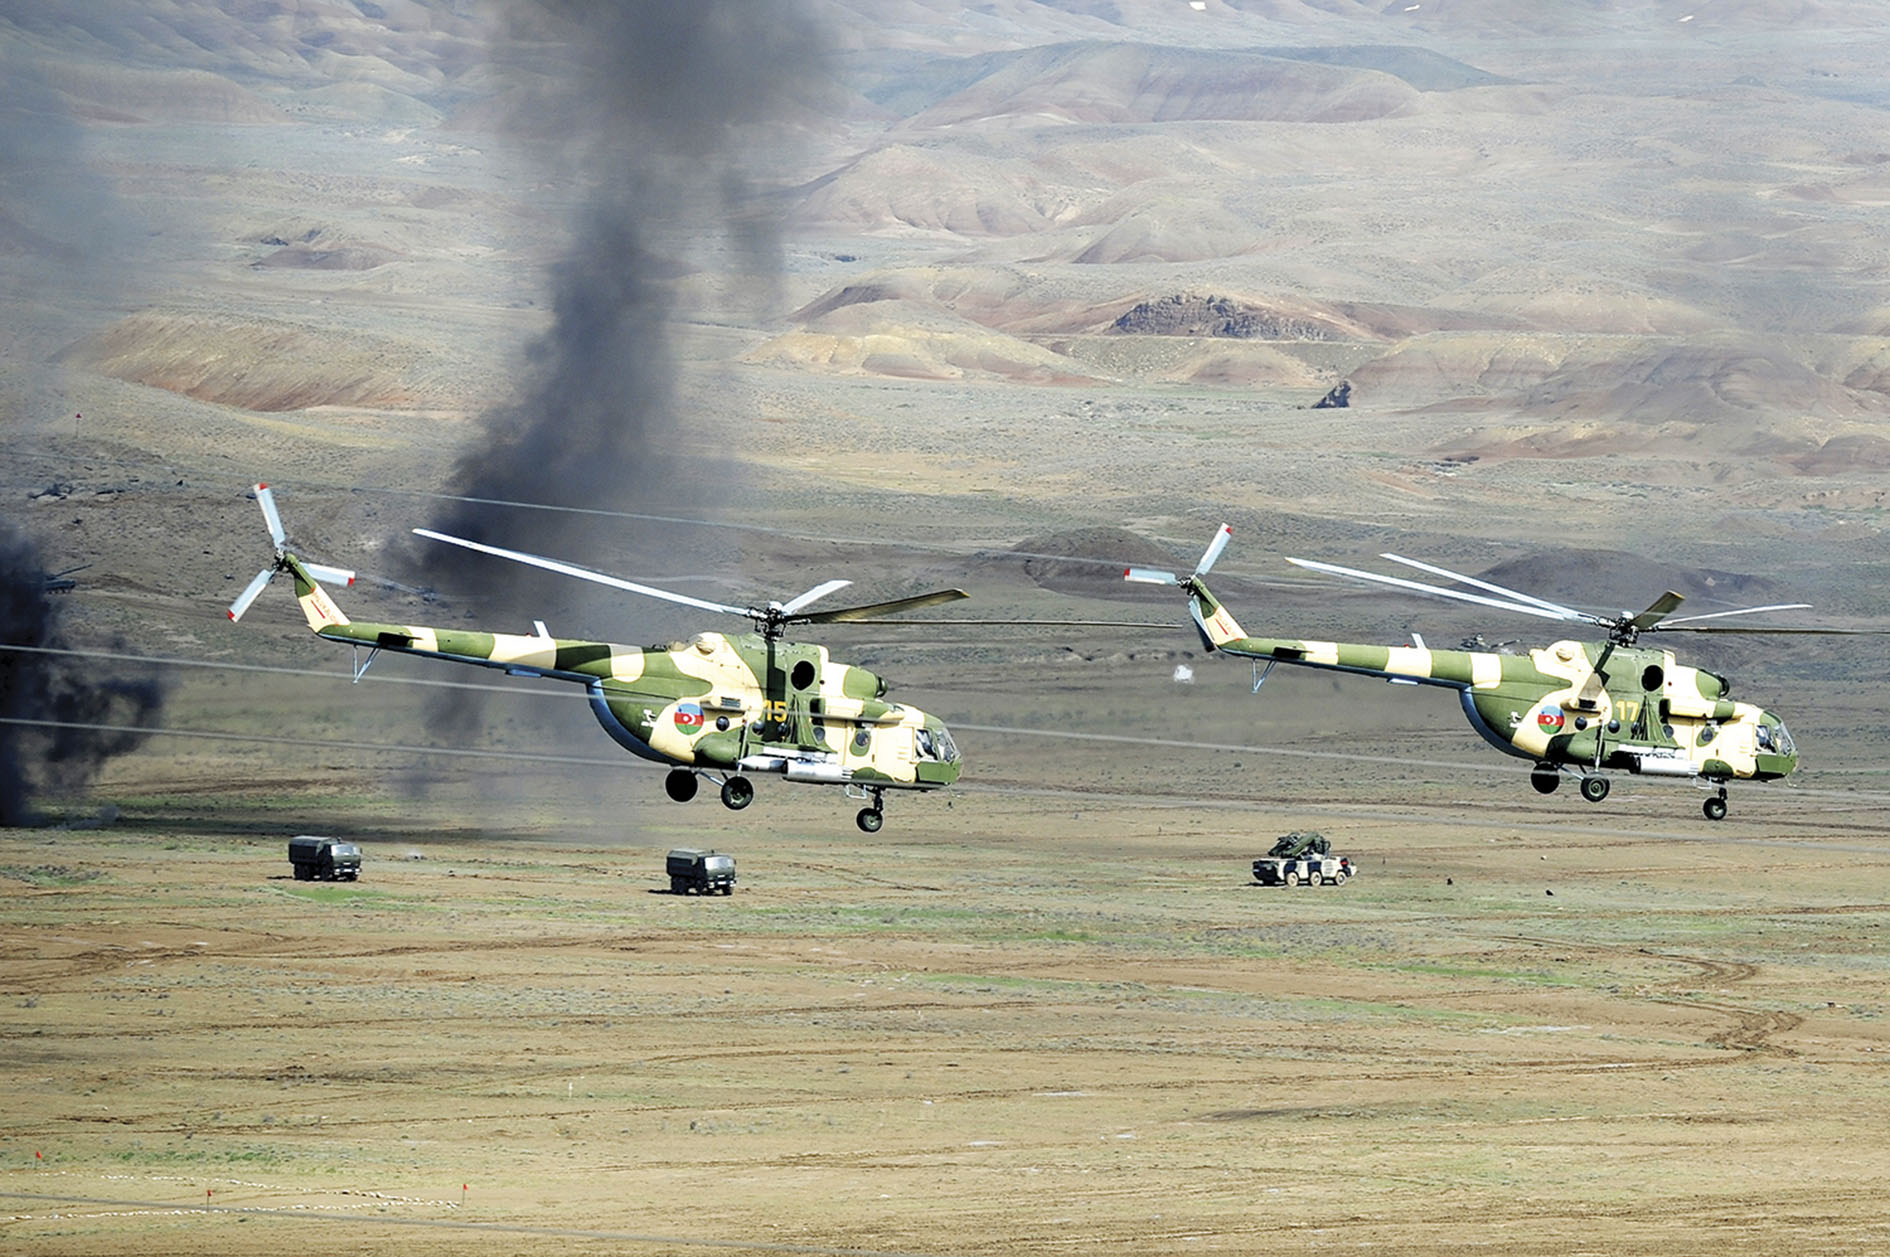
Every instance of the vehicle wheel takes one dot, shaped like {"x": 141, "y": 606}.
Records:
{"x": 1715, "y": 808}
{"x": 870, "y": 819}
{"x": 680, "y": 785}
{"x": 728, "y": 890}
{"x": 1338, "y": 879}
{"x": 737, "y": 793}
{"x": 1291, "y": 879}
{"x": 677, "y": 886}
{"x": 1594, "y": 789}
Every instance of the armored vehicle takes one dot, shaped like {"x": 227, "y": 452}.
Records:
{"x": 704, "y": 872}
{"x": 317, "y": 859}
{"x": 1303, "y": 856}
{"x": 1312, "y": 870}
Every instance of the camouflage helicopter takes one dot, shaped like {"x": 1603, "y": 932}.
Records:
{"x": 1571, "y": 707}
{"x": 716, "y": 705}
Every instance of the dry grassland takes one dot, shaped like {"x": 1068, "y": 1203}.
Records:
{"x": 1026, "y": 1021}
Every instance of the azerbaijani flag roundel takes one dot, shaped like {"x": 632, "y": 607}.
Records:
{"x": 1549, "y": 718}
{"x": 688, "y": 716}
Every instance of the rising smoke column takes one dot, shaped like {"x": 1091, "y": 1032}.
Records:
{"x": 654, "y": 111}
{"x": 57, "y": 693}
{"x": 68, "y": 258}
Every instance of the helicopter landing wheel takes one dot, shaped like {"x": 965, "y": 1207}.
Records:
{"x": 680, "y": 785}
{"x": 737, "y": 793}
{"x": 1715, "y": 807}
{"x": 870, "y": 819}
{"x": 1594, "y": 789}
{"x": 1545, "y": 778}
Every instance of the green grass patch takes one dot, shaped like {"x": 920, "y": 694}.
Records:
{"x": 348, "y": 893}
{"x": 50, "y": 875}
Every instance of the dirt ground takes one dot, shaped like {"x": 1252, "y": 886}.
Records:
{"x": 1017, "y": 1020}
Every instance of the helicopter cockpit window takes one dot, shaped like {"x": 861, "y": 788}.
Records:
{"x": 922, "y": 739}
{"x": 1777, "y": 740}
{"x": 947, "y": 749}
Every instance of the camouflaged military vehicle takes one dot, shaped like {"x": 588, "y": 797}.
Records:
{"x": 1304, "y": 870}
{"x": 700, "y": 872}
{"x": 316, "y": 859}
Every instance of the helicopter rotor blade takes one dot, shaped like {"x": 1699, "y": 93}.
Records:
{"x": 582, "y": 573}
{"x": 1150, "y": 576}
{"x": 1715, "y": 615}
{"x": 1213, "y": 552}
{"x": 267, "y": 500}
{"x": 1568, "y": 613}
{"x": 874, "y": 610}
{"x": 819, "y": 591}
{"x": 1769, "y": 632}
{"x": 1438, "y": 592}
{"x": 1119, "y": 624}
{"x": 251, "y": 591}
{"x": 329, "y": 575}
{"x": 1658, "y": 610}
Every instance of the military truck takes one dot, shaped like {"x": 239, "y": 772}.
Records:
{"x": 317, "y": 859}
{"x": 704, "y": 872}
{"x": 1318, "y": 870}
{"x": 1302, "y": 857}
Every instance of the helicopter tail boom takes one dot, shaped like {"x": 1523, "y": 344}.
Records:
{"x": 1214, "y": 622}
{"x": 319, "y": 609}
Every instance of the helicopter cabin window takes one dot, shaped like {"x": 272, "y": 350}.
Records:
{"x": 1652, "y": 677}
{"x": 1778, "y": 740}
{"x": 863, "y": 739}
{"x": 803, "y": 674}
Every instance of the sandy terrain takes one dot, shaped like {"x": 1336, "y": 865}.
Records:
{"x": 1020, "y": 1023}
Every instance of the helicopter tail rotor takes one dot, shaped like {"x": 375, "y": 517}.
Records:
{"x": 1212, "y": 621}
{"x": 317, "y": 572}
{"x": 1155, "y": 576}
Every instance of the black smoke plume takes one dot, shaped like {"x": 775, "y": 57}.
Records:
{"x": 51, "y": 694}
{"x": 651, "y": 116}
{"x": 654, "y": 119}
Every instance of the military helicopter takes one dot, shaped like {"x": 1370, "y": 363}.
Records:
{"x": 717, "y": 705}
{"x": 1574, "y": 708}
